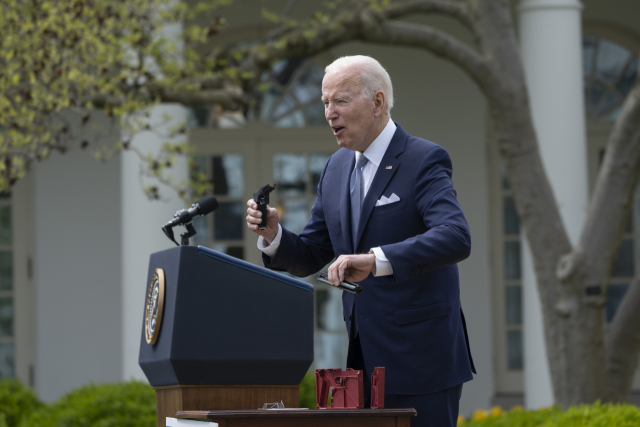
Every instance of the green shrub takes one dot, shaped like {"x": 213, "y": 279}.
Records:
{"x": 598, "y": 415}
{"x": 308, "y": 391}
{"x": 130, "y": 404}
{"x": 16, "y": 402}
{"x": 595, "y": 415}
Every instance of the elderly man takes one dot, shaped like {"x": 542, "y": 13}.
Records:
{"x": 386, "y": 208}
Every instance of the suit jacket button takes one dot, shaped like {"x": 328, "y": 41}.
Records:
{"x": 349, "y": 317}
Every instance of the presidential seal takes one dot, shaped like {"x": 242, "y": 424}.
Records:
{"x": 155, "y": 304}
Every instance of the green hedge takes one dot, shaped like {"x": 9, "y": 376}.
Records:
{"x": 130, "y": 404}
{"x": 16, "y": 401}
{"x": 308, "y": 391}
{"x": 595, "y": 415}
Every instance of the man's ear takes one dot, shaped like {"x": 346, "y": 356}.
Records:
{"x": 379, "y": 102}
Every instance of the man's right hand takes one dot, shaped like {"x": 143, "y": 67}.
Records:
{"x": 254, "y": 217}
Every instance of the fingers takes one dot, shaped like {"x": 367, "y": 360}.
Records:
{"x": 271, "y": 212}
{"x": 253, "y": 215}
{"x": 337, "y": 270}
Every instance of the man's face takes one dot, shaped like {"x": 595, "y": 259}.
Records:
{"x": 350, "y": 116}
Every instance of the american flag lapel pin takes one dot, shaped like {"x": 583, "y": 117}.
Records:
{"x": 389, "y": 167}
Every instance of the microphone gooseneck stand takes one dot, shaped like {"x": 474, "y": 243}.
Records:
{"x": 184, "y": 237}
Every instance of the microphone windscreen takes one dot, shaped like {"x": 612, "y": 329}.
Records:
{"x": 207, "y": 205}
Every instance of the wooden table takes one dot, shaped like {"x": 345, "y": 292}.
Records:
{"x": 297, "y": 417}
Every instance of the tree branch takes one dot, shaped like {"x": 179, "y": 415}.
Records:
{"x": 614, "y": 191}
{"x": 623, "y": 343}
{"x": 229, "y": 98}
{"x": 439, "y": 43}
{"x": 455, "y": 10}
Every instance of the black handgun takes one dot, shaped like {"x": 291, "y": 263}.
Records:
{"x": 261, "y": 197}
{"x": 345, "y": 286}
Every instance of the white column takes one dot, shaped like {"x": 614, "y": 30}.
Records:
{"x": 551, "y": 42}
{"x": 142, "y": 235}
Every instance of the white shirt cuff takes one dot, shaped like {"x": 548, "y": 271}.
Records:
{"x": 271, "y": 250}
{"x": 383, "y": 266}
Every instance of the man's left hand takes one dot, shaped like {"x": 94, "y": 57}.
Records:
{"x": 356, "y": 267}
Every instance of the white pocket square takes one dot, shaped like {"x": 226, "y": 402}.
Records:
{"x": 385, "y": 201}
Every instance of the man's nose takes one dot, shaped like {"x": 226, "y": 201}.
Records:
{"x": 330, "y": 113}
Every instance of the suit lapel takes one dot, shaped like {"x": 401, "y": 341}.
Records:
{"x": 345, "y": 201}
{"x": 382, "y": 177}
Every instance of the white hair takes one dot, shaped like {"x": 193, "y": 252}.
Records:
{"x": 373, "y": 76}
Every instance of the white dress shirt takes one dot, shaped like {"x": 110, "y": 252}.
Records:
{"x": 374, "y": 153}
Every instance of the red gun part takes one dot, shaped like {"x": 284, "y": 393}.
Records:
{"x": 347, "y": 390}
{"x": 377, "y": 388}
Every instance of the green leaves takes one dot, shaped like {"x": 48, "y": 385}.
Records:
{"x": 65, "y": 57}
{"x": 594, "y": 415}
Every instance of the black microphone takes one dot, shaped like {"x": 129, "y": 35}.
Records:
{"x": 203, "y": 206}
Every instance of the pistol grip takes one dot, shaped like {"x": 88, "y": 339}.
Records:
{"x": 263, "y": 224}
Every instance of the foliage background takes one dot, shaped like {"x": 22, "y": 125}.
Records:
{"x": 132, "y": 404}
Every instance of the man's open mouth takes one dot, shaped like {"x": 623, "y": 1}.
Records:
{"x": 337, "y": 130}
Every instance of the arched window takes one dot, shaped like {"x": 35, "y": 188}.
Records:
{"x": 609, "y": 70}
{"x": 290, "y": 99}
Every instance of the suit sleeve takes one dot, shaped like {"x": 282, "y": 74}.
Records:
{"x": 447, "y": 239}
{"x": 306, "y": 253}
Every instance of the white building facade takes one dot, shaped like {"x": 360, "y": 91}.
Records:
{"x": 76, "y": 235}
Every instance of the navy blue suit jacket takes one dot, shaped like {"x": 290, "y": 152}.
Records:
{"x": 411, "y": 322}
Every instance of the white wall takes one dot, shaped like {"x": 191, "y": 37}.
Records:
{"x": 77, "y": 272}
{"x": 141, "y": 233}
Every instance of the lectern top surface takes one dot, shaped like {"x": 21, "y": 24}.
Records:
{"x": 260, "y": 270}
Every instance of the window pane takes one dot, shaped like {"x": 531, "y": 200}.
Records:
{"x": 511, "y": 222}
{"x": 614, "y": 298}
{"x": 290, "y": 173}
{"x": 308, "y": 87}
{"x": 321, "y": 299}
{"x": 503, "y": 176}
{"x": 624, "y": 263}
{"x": 611, "y": 58}
{"x": 316, "y": 164}
{"x": 6, "y": 317}
{"x": 588, "y": 50}
{"x": 5, "y": 225}
{"x": 330, "y": 349}
{"x": 7, "y": 360}
{"x": 199, "y": 165}
{"x": 199, "y": 116}
{"x": 269, "y": 99}
{"x": 512, "y": 260}
{"x": 228, "y": 175}
{"x": 597, "y": 90}
{"x": 627, "y": 79}
{"x": 295, "y": 215}
{"x": 514, "y": 350}
{"x": 293, "y": 120}
{"x": 514, "y": 305}
{"x": 610, "y": 101}
{"x": 287, "y": 104}
{"x": 200, "y": 223}
{"x": 228, "y": 219}
{"x": 234, "y": 251}
{"x": 315, "y": 114}
{"x": 6, "y": 270}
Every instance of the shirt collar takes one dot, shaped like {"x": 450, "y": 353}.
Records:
{"x": 375, "y": 151}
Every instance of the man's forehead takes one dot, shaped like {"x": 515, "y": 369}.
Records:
{"x": 337, "y": 83}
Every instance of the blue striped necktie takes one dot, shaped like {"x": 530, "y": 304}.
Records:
{"x": 356, "y": 185}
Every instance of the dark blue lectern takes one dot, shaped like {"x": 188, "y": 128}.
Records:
{"x": 223, "y": 333}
